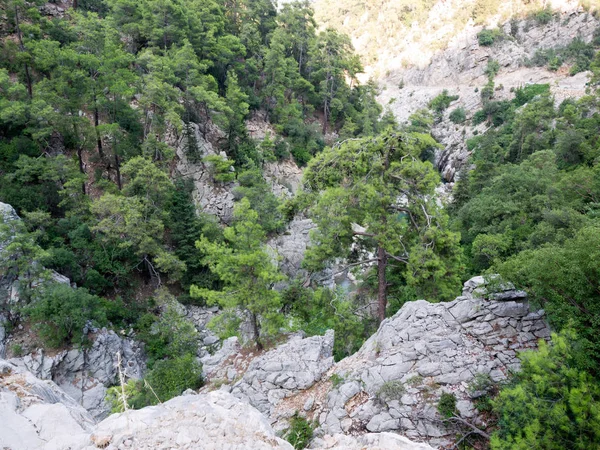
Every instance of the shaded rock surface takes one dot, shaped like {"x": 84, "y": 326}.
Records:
{"x": 371, "y": 441}
{"x": 85, "y": 374}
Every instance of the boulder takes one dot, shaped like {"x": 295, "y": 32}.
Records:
{"x": 35, "y": 414}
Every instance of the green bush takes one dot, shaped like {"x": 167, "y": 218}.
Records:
{"x": 440, "y": 103}
{"x": 170, "y": 377}
{"x": 543, "y": 16}
{"x": 525, "y": 94}
{"x": 551, "y": 404}
{"x": 487, "y": 37}
{"x": 391, "y": 390}
{"x": 221, "y": 169}
{"x": 299, "y": 433}
{"x": 60, "y": 314}
{"x": 458, "y": 115}
{"x": 447, "y": 405}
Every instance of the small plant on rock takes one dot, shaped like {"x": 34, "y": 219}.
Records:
{"x": 300, "y": 432}
{"x": 391, "y": 390}
{"x": 447, "y": 405}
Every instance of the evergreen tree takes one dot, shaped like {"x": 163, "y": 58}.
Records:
{"x": 248, "y": 274}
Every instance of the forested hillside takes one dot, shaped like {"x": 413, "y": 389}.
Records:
{"x": 102, "y": 101}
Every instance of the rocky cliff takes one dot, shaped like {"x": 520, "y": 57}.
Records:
{"x": 394, "y": 382}
{"x": 460, "y": 69}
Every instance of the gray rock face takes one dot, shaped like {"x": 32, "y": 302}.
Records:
{"x": 36, "y": 414}
{"x": 85, "y": 374}
{"x": 292, "y": 244}
{"x": 215, "y": 420}
{"x": 394, "y": 381}
{"x": 460, "y": 69}
{"x": 294, "y": 366}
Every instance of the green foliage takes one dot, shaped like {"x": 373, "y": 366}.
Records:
{"x": 551, "y": 404}
{"x": 543, "y": 16}
{"x": 447, "y": 405}
{"x": 458, "y": 115}
{"x": 316, "y": 311}
{"x": 527, "y": 93}
{"x": 558, "y": 275}
{"x": 391, "y": 390}
{"x": 336, "y": 380}
{"x": 170, "y": 334}
{"x": 62, "y": 314}
{"x": 300, "y": 432}
{"x": 254, "y": 187}
{"x": 248, "y": 274}
{"x": 221, "y": 169}
{"x": 358, "y": 183}
{"x": 487, "y": 37}
{"x": 441, "y": 102}
{"x": 169, "y": 378}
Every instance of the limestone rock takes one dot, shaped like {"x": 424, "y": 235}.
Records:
{"x": 426, "y": 349}
{"x": 35, "y": 413}
{"x": 294, "y": 366}
{"x": 215, "y": 420}
{"x": 370, "y": 441}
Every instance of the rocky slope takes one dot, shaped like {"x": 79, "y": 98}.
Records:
{"x": 460, "y": 69}
{"x": 393, "y": 383}
{"x": 36, "y": 414}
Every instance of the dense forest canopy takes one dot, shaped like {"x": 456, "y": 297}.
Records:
{"x": 99, "y": 102}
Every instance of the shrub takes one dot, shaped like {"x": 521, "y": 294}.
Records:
{"x": 487, "y": 37}
{"x": 61, "y": 314}
{"x": 336, "y": 380}
{"x": 447, "y": 405}
{"x": 440, "y": 103}
{"x": 300, "y": 432}
{"x": 170, "y": 377}
{"x": 543, "y": 16}
{"x": 527, "y": 93}
{"x": 391, "y": 390}
{"x": 458, "y": 115}
{"x": 221, "y": 169}
{"x": 551, "y": 404}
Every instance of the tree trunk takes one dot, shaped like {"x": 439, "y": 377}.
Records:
{"x": 22, "y": 48}
{"x": 96, "y": 123}
{"x": 118, "y": 169}
{"x": 80, "y": 158}
{"x": 382, "y": 284}
{"x": 256, "y": 330}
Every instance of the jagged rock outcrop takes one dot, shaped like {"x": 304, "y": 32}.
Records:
{"x": 460, "y": 69}
{"x": 394, "y": 381}
{"x": 215, "y": 420}
{"x": 291, "y": 245}
{"x": 37, "y": 414}
{"x": 294, "y": 366}
{"x": 85, "y": 374}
